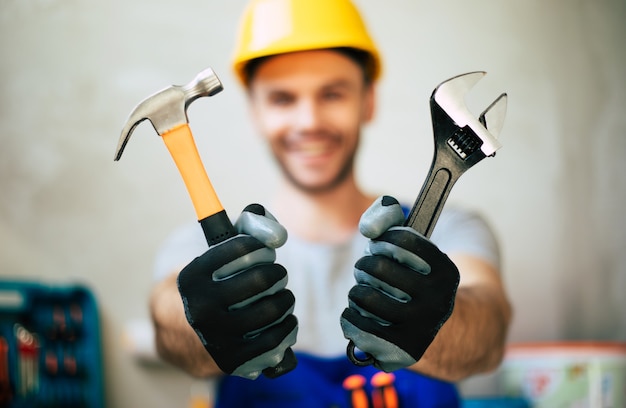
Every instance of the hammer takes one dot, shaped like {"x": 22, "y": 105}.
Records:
{"x": 167, "y": 111}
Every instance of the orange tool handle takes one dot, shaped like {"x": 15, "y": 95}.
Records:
{"x": 354, "y": 385}
{"x": 384, "y": 394}
{"x": 211, "y": 215}
{"x": 182, "y": 147}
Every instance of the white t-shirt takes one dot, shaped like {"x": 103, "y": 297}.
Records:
{"x": 321, "y": 275}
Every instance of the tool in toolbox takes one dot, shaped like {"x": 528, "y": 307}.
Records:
{"x": 461, "y": 141}
{"x": 167, "y": 111}
{"x": 6, "y": 394}
{"x": 28, "y": 361}
{"x": 50, "y": 350}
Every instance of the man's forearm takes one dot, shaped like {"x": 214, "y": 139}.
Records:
{"x": 473, "y": 339}
{"x": 176, "y": 342}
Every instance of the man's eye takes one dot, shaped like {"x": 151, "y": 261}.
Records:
{"x": 332, "y": 96}
{"x": 281, "y": 99}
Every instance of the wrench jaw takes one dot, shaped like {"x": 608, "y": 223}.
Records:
{"x": 468, "y": 141}
{"x": 492, "y": 117}
{"x": 450, "y": 97}
{"x": 457, "y": 148}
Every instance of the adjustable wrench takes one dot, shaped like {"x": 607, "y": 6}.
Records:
{"x": 461, "y": 141}
{"x": 167, "y": 111}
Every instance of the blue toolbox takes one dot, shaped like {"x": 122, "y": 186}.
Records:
{"x": 50, "y": 346}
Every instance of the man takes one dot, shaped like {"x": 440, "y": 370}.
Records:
{"x": 309, "y": 68}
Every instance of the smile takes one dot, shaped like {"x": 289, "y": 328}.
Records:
{"x": 312, "y": 146}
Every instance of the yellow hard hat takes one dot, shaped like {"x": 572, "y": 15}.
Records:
{"x": 271, "y": 27}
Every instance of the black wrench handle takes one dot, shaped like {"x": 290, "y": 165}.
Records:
{"x": 430, "y": 201}
{"x": 218, "y": 228}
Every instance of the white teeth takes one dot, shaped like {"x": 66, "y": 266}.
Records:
{"x": 313, "y": 148}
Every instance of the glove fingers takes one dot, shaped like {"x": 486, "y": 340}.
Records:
{"x": 239, "y": 288}
{"x": 278, "y": 336}
{"x": 256, "y": 221}
{"x": 225, "y": 258}
{"x": 387, "y": 275}
{"x": 251, "y": 284}
{"x": 401, "y": 255}
{"x": 364, "y": 324}
{"x": 258, "y": 357}
{"x": 263, "y": 313}
{"x": 417, "y": 253}
{"x": 273, "y": 336}
{"x": 390, "y": 338}
{"x": 383, "y": 214}
{"x": 389, "y": 356}
{"x": 406, "y": 239}
{"x": 424, "y": 296}
{"x": 387, "y": 310}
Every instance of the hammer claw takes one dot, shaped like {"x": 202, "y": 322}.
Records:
{"x": 125, "y": 137}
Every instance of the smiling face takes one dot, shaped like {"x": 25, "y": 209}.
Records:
{"x": 310, "y": 107}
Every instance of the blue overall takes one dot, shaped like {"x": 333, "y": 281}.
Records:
{"x": 318, "y": 383}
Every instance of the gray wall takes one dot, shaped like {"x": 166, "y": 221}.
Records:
{"x": 71, "y": 71}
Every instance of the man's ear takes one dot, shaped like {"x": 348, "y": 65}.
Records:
{"x": 369, "y": 103}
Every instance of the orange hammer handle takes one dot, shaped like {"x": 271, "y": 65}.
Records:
{"x": 211, "y": 215}
{"x": 182, "y": 147}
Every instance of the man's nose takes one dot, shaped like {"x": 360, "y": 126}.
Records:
{"x": 308, "y": 115}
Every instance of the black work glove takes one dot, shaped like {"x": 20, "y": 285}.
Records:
{"x": 235, "y": 297}
{"x": 404, "y": 293}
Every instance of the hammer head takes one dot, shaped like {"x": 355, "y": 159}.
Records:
{"x": 167, "y": 109}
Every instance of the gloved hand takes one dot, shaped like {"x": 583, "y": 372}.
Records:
{"x": 404, "y": 293}
{"x": 235, "y": 298}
